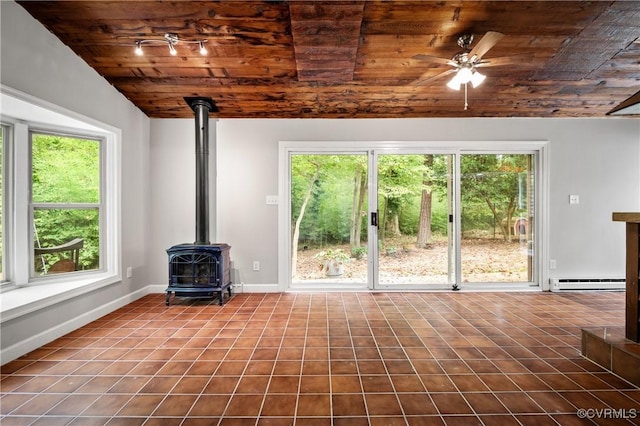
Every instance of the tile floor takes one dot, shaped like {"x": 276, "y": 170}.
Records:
{"x": 328, "y": 359}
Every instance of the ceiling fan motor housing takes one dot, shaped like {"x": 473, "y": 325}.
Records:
{"x": 465, "y": 41}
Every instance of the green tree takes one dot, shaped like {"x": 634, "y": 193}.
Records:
{"x": 400, "y": 178}
{"x": 65, "y": 192}
{"x": 492, "y": 180}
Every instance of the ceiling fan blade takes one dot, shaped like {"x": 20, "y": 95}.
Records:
{"x": 434, "y": 59}
{"x": 486, "y": 42}
{"x": 504, "y": 60}
{"x": 425, "y": 79}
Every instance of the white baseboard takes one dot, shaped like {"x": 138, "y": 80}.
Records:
{"x": 257, "y": 288}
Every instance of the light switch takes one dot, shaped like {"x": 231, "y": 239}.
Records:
{"x": 574, "y": 199}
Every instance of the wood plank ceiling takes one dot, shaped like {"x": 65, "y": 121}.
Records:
{"x": 356, "y": 59}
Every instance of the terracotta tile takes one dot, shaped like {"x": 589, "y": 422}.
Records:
{"x": 280, "y": 405}
{"x": 175, "y": 405}
{"x": 462, "y": 420}
{"x": 284, "y": 384}
{"x": 375, "y": 384}
{"x": 422, "y": 420}
{"x": 528, "y": 382}
{"x": 259, "y": 368}
{"x": 438, "y": 383}
{"x": 348, "y": 404}
{"x": 468, "y": 382}
{"x": 314, "y": 384}
{"x": 33, "y": 405}
{"x": 382, "y": 404}
{"x": 436, "y": 350}
{"x": 451, "y": 403}
{"x": 519, "y": 403}
{"x": 190, "y": 385}
{"x": 141, "y": 405}
{"x": 221, "y": 384}
{"x": 106, "y": 405}
{"x": 160, "y": 384}
{"x": 407, "y": 383}
{"x": 244, "y": 405}
{"x": 500, "y": 420}
{"x": 253, "y": 384}
{"x": 536, "y": 420}
{"x": 209, "y": 405}
{"x": 417, "y": 404}
{"x": 314, "y": 405}
{"x": 485, "y": 403}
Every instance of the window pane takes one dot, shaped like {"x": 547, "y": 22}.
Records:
{"x": 329, "y": 219}
{"x": 497, "y": 192}
{"x": 58, "y": 231}
{"x": 65, "y": 169}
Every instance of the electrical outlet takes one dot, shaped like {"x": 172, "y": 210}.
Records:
{"x": 256, "y": 265}
{"x": 553, "y": 264}
{"x": 272, "y": 200}
{"x": 574, "y": 199}
{"x": 129, "y": 272}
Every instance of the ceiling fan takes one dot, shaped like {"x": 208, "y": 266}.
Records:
{"x": 464, "y": 63}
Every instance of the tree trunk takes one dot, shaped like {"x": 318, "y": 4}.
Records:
{"x": 394, "y": 225}
{"x": 424, "y": 222}
{"x": 361, "y": 197}
{"x": 296, "y": 231}
{"x": 354, "y": 225}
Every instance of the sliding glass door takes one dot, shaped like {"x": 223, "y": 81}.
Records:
{"x": 394, "y": 219}
{"x": 415, "y": 221}
{"x": 329, "y": 204}
{"x": 497, "y": 194}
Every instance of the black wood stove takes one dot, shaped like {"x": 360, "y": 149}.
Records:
{"x": 201, "y": 269}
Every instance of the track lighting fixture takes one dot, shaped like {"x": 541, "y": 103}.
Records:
{"x": 171, "y": 40}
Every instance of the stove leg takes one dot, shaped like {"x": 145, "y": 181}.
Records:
{"x": 166, "y": 301}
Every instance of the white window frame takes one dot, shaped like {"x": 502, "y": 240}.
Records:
{"x": 7, "y": 203}
{"x": 24, "y": 294}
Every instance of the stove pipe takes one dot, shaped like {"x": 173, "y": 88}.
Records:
{"x": 202, "y": 107}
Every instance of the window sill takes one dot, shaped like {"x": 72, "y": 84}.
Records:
{"x": 23, "y": 300}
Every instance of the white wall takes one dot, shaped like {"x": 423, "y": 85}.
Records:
{"x": 38, "y": 64}
{"x": 172, "y": 173}
{"x": 594, "y": 158}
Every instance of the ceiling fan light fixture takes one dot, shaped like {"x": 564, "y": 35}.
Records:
{"x": 477, "y": 79}
{"x": 138, "y": 49}
{"x": 454, "y": 83}
{"x": 203, "y": 50}
{"x": 464, "y": 75}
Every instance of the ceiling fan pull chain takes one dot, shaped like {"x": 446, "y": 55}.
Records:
{"x": 466, "y": 103}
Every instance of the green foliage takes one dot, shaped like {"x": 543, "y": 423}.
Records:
{"x": 326, "y": 219}
{"x": 333, "y": 254}
{"x": 358, "y": 252}
{"x": 493, "y": 188}
{"x": 66, "y": 187}
{"x": 65, "y": 170}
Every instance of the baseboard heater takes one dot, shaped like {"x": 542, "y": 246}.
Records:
{"x": 560, "y": 284}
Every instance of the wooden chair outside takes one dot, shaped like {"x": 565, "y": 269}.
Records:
{"x": 64, "y": 265}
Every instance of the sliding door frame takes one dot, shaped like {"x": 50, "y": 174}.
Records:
{"x": 457, "y": 148}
